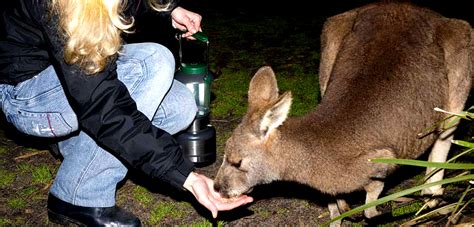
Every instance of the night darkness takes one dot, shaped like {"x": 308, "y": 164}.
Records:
{"x": 150, "y": 27}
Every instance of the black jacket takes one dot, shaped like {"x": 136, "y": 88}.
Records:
{"x": 29, "y": 43}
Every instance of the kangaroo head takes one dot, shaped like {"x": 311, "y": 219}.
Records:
{"x": 249, "y": 159}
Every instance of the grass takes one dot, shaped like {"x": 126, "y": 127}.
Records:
{"x": 304, "y": 88}
{"x": 410, "y": 208}
{"x": 17, "y": 203}
{"x": 6, "y": 178}
{"x": 3, "y": 150}
{"x": 166, "y": 210}
{"x": 4, "y": 222}
{"x": 230, "y": 91}
{"x": 263, "y": 212}
{"x": 231, "y": 88}
{"x": 206, "y": 223}
{"x": 142, "y": 195}
{"x": 28, "y": 191}
{"x": 24, "y": 167}
{"x": 250, "y": 44}
{"x": 42, "y": 174}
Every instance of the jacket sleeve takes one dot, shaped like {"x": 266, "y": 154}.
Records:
{"x": 106, "y": 111}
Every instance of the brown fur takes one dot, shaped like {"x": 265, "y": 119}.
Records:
{"x": 384, "y": 68}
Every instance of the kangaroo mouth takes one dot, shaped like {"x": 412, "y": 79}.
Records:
{"x": 236, "y": 193}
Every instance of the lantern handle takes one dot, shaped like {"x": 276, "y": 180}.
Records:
{"x": 200, "y": 36}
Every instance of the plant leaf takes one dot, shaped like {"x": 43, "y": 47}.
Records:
{"x": 398, "y": 194}
{"x": 464, "y": 143}
{"x": 424, "y": 163}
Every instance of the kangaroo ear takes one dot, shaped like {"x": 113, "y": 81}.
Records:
{"x": 276, "y": 114}
{"x": 263, "y": 88}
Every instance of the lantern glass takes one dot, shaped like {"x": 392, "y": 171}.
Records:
{"x": 193, "y": 71}
{"x": 199, "y": 83}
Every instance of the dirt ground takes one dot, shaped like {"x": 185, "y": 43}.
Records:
{"x": 276, "y": 204}
{"x": 31, "y": 167}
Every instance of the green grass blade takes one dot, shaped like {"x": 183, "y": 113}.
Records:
{"x": 397, "y": 195}
{"x": 459, "y": 155}
{"x": 461, "y": 210}
{"x": 460, "y": 201}
{"x": 424, "y": 163}
{"x": 439, "y": 124}
{"x": 435, "y": 170}
{"x": 464, "y": 143}
{"x": 414, "y": 221}
{"x": 464, "y": 114}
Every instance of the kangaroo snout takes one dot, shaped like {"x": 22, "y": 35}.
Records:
{"x": 230, "y": 187}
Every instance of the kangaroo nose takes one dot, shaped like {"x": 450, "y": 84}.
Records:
{"x": 217, "y": 187}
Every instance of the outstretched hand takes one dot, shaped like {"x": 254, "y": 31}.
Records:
{"x": 203, "y": 190}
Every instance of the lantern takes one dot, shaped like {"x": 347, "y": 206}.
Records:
{"x": 199, "y": 140}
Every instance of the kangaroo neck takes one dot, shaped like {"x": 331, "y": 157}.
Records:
{"x": 309, "y": 150}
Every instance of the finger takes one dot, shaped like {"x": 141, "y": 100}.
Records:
{"x": 188, "y": 35}
{"x": 189, "y": 24}
{"x": 229, "y": 205}
{"x": 206, "y": 202}
{"x": 179, "y": 26}
{"x": 210, "y": 206}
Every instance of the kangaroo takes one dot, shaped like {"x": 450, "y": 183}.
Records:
{"x": 384, "y": 68}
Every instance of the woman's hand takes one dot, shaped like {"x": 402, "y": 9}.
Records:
{"x": 203, "y": 189}
{"x": 186, "y": 20}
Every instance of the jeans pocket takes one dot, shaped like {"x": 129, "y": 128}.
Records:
{"x": 40, "y": 124}
{"x": 39, "y": 107}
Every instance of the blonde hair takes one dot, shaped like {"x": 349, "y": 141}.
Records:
{"x": 92, "y": 29}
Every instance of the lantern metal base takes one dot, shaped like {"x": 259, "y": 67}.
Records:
{"x": 199, "y": 142}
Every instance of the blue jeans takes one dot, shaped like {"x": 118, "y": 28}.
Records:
{"x": 88, "y": 175}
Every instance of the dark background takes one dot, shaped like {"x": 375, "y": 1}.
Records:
{"x": 150, "y": 27}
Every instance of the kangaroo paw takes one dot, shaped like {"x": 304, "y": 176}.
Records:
{"x": 436, "y": 190}
{"x": 337, "y": 223}
{"x": 334, "y": 212}
{"x": 373, "y": 191}
{"x": 432, "y": 202}
{"x": 342, "y": 205}
{"x": 371, "y": 212}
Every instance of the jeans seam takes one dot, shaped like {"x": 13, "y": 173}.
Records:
{"x": 164, "y": 114}
{"x": 83, "y": 174}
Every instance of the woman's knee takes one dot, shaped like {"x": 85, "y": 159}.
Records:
{"x": 185, "y": 108}
{"x": 147, "y": 70}
{"x": 189, "y": 109}
{"x": 178, "y": 109}
{"x": 153, "y": 61}
{"x": 156, "y": 53}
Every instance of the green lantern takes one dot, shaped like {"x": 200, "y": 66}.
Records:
{"x": 199, "y": 140}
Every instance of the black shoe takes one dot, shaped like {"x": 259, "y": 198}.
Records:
{"x": 64, "y": 213}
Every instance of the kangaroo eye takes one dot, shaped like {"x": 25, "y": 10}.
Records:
{"x": 236, "y": 164}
